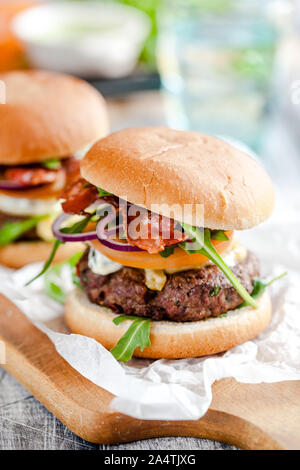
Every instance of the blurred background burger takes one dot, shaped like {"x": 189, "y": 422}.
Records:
{"x": 47, "y": 122}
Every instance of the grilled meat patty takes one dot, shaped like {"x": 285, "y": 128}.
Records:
{"x": 187, "y": 296}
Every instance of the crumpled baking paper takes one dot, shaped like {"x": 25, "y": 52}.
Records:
{"x": 181, "y": 389}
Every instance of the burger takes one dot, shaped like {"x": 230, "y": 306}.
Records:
{"x": 163, "y": 275}
{"x": 46, "y": 124}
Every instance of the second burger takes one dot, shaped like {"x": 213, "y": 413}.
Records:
{"x": 47, "y": 123}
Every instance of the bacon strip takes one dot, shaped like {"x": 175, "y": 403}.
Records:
{"x": 153, "y": 232}
{"x": 146, "y": 230}
{"x": 30, "y": 176}
{"x": 37, "y": 175}
{"x": 78, "y": 197}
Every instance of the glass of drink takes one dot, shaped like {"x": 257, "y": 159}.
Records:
{"x": 216, "y": 60}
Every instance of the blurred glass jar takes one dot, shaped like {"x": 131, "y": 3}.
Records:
{"x": 216, "y": 60}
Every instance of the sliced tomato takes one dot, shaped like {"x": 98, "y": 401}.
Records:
{"x": 144, "y": 260}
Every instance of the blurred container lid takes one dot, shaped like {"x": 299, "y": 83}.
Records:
{"x": 84, "y": 38}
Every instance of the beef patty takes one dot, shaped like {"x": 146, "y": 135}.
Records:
{"x": 187, "y": 296}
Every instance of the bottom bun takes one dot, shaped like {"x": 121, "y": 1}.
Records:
{"x": 16, "y": 255}
{"x": 170, "y": 340}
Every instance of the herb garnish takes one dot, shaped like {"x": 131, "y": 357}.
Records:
{"x": 137, "y": 336}
{"x": 11, "y": 231}
{"x": 52, "y": 279}
{"x": 203, "y": 245}
{"x": 102, "y": 192}
{"x": 219, "y": 235}
{"x": 52, "y": 164}
{"x": 168, "y": 251}
{"x": 214, "y": 291}
{"x": 78, "y": 227}
{"x": 260, "y": 286}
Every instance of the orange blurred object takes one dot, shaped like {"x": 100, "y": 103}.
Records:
{"x": 12, "y": 55}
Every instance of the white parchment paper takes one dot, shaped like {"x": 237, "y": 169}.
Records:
{"x": 181, "y": 389}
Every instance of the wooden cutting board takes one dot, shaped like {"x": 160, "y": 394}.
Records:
{"x": 261, "y": 416}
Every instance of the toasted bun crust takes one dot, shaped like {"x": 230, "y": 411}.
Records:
{"x": 19, "y": 254}
{"x": 48, "y": 115}
{"x": 156, "y": 165}
{"x": 170, "y": 340}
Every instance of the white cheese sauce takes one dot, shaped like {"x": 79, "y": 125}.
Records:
{"x": 28, "y": 207}
{"x": 99, "y": 264}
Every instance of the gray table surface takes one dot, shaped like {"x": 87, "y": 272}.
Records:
{"x": 24, "y": 422}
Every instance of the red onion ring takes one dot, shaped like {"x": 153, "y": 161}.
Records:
{"x": 103, "y": 235}
{"x": 100, "y": 233}
{"x": 70, "y": 237}
{"x": 11, "y": 185}
{"x": 113, "y": 245}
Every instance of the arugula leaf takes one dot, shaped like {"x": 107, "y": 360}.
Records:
{"x": 11, "y": 231}
{"x": 48, "y": 263}
{"x": 204, "y": 246}
{"x": 214, "y": 291}
{"x": 72, "y": 263}
{"x": 76, "y": 281}
{"x": 55, "y": 292}
{"x": 215, "y": 235}
{"x": 52, "y": 279}
{"x": 52, "y": 164}
{"x": 137, "y": 336}
{"x": 102, "y": 192}
{"x": 259, "y": 287}
{"x": 122, "y": 318}
{"x": 78, "y": 227}
{"x": 168, "y": 251}
{"x": 219, "y": 235}
{"x": 74, "y": 260}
